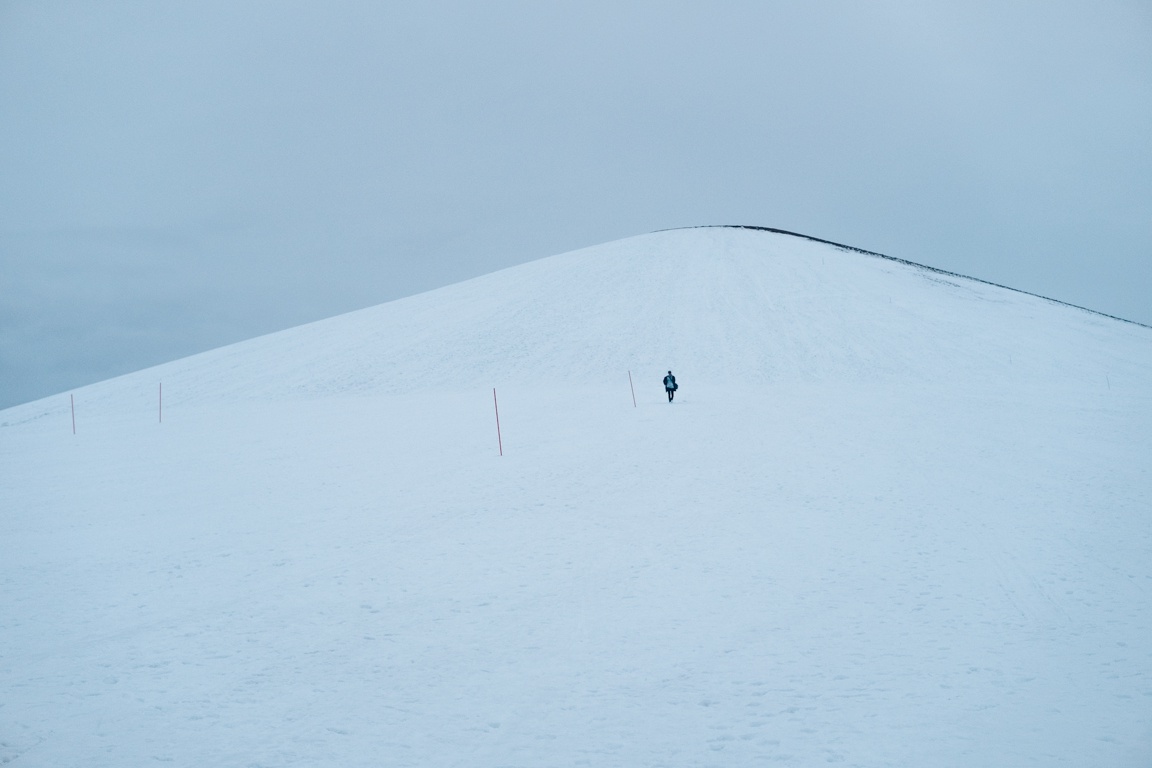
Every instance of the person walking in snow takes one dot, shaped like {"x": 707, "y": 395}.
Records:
{"x": 670, "y": 385}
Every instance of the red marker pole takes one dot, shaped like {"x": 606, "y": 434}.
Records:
{"x": 72, "y": 400}
{"x": 632, "y": 388}
{"x": 499, "y": 440}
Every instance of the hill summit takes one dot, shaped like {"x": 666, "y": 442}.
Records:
{"x": 727, "y": 304}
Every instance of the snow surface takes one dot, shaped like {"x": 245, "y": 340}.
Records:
{"x": 894, "y": 518}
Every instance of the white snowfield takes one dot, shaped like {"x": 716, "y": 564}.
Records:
{"x": 893, "y": 518}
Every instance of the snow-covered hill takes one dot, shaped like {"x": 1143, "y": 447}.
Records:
{"x": 894, "y": 517}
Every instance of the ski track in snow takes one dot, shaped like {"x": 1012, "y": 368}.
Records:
{"x": 890, "y": 520}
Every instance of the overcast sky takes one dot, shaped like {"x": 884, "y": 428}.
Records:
{"x": 177, "y": 176}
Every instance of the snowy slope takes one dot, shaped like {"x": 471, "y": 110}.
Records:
{"x": 893, "y": 518}
{"x": 728, "y": 305}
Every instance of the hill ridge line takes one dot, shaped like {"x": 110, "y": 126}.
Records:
{"x": 906, "y": 262}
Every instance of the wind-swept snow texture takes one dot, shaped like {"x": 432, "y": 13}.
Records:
{"x": 893, "y": 518}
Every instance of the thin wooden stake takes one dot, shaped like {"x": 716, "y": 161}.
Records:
{"x": 72, "y": 400}
{"x": 499, "y": 440}
{"x": 632, "y": 388}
